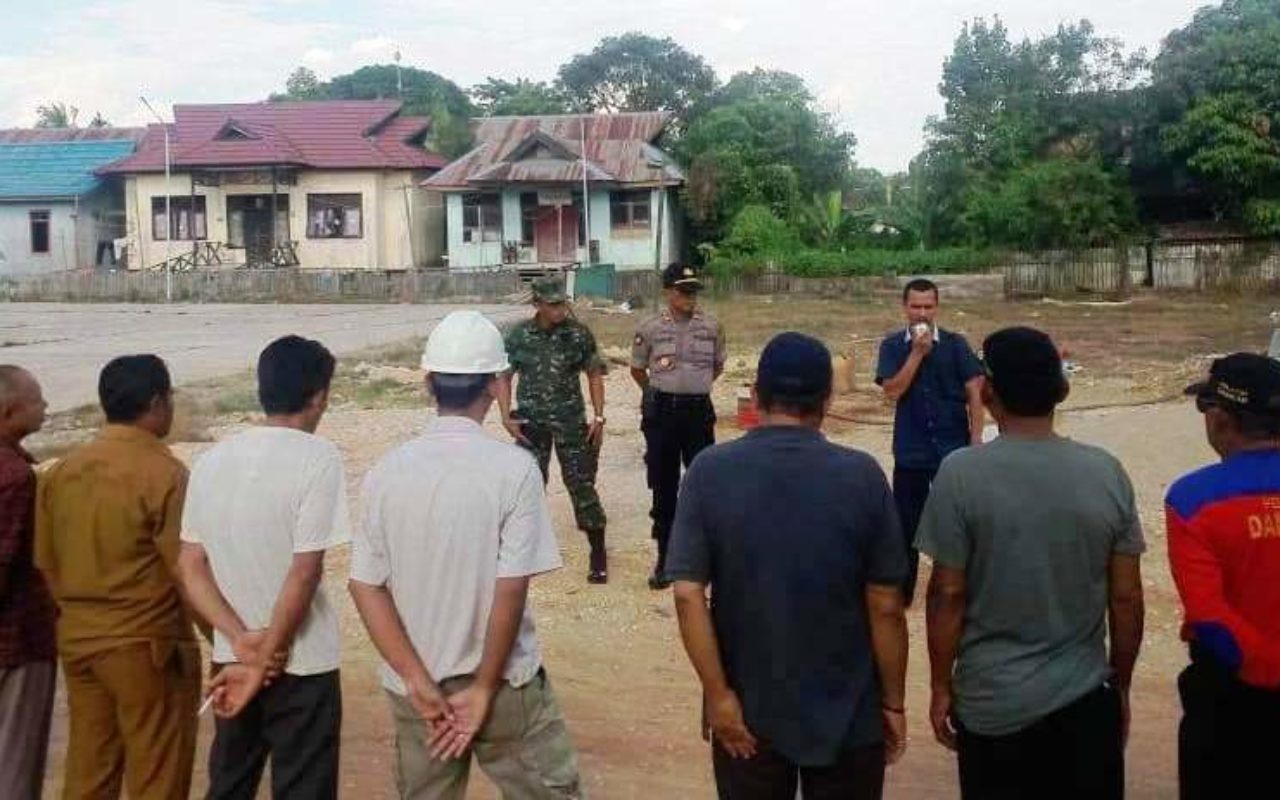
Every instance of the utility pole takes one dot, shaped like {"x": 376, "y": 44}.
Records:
{"x": 399, "y": 79}
{"x": 168, "y": 208}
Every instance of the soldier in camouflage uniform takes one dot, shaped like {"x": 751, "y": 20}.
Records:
{"x": 547, "y": 353}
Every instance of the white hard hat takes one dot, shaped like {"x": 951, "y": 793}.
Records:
{"x": 465, "y": 343}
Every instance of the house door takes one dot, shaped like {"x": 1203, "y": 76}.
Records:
{"x": 249, "y": 225}
{"x": 257, "y": 236}
{"x": 556, "y": 234}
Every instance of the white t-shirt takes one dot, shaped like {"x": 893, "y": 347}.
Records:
{"x": 254, "y": 500}
{"x": 445, "y": 516}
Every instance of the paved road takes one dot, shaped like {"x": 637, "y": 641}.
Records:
{"x": 66, "y": 344}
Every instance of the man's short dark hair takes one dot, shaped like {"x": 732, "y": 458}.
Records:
{"x": 791, "y": 405}
{"x": 291, "y": 371}
{"x": 128, "y": 385}
{"x": 454, "y": 391}
{"x": 1255, "y": 426}
{"x": 1025, "y": 370}
{"x": 920, "y": 285}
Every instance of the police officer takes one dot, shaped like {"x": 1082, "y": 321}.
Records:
{"x": 675, "y": 358}
{"x": 547, "y": 352}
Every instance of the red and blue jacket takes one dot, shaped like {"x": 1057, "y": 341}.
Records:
{"x": 1223, "y": 524}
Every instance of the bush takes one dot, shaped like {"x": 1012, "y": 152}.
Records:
{"x": 756, "y": 231}
{"x": 1262, "y": 216}
{"x": 830, "y": 264}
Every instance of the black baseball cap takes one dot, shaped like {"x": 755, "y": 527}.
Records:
{"x": 681, "y": 276}
{"x": 795, "y": 366}
{"x": 1242, "y": 382}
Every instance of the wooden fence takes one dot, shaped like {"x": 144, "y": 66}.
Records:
{"x": 1233, "y": 265}
{"x": 1230, "y": 265}
{"x": 1104, "y": 271}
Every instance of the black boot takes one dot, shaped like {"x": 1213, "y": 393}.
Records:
{"x": 599, "y": 572}
{"x": 658, "y": 580}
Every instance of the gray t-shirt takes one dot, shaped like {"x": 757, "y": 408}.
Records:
{"x": 1033, "y": 525}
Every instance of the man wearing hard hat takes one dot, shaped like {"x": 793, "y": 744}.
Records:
{"x": 455, "y": 524}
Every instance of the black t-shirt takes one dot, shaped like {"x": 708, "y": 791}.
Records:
{"x": 788, "y": 530}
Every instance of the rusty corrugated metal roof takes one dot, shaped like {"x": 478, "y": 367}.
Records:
{"x": 620, "y": 150}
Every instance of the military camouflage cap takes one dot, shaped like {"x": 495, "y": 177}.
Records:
{"x": 549, "y": 290}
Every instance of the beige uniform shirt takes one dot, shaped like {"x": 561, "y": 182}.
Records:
{"x": 681, "y": 357}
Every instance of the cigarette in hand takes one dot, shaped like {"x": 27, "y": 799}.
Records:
{"x": 208, "y": 702}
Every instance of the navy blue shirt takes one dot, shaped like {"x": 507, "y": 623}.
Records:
{"x": 788, "y": 530}
{"x": 933, "y": 415}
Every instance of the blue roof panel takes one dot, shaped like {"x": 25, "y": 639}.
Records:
{"x": 56, "y": 169}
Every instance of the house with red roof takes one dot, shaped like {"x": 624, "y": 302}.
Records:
{"x": 323, "y": 185}
{"x": 518, "y": 196}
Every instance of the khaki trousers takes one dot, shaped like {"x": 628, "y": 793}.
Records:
{"x": 524, "y": 748}
{"x": 133, "y": 717}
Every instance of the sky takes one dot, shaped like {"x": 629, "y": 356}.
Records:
{"x": 875, "y": 66}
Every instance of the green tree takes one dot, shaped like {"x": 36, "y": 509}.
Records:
{"x": 303, "y": 84}
{"x": 1228, "y": 140}
{"x": 1052, "y": 203}
{"x": 635, "y": 72}
{"x": 823, "y": 219}
{"x": 761, "y": 84}
{"x": 521, "y": 97}
{"x": 762, "y": 147}
{"x": 99, "y": 121}
{"x": 424, "y": 93}
{"x": 1017, "y": 111}
{"x": 56, "y": 115}
{"x": 1215, "y": 102}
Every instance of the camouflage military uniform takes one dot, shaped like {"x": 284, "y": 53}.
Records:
{"x": 549, "y": 399}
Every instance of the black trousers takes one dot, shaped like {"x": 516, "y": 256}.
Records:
{"x": 1074, "y": 753}
{"x": 857, "y": 775}
{"x": 910, "y": 491}
{"x": 1228, "y": 735}
{"x": 296, "y": 721}
{"x": 676, "y": 428}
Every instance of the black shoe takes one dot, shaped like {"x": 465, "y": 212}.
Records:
{"x": 599, "y": 558}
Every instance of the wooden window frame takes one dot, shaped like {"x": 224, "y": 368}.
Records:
{"x": 332, "y": 200}
{"x": 489, "y": 230}
{"x": 623, "y": 208}
{"x": 197, "y": 218}
{"x": 40, "y": 217}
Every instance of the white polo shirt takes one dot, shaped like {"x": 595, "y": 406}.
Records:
{"x": 253, "y": 501}
{"x": 445, "y": 516}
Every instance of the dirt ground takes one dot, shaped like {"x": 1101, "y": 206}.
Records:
{"x": 613, "y": 652}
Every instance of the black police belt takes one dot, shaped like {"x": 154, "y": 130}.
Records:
{"x": 669, "y": 400}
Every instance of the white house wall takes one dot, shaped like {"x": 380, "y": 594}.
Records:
{"x": 16, "y": 257}
{"x": 625, "y": 253}
{"x": 390, "y": 239}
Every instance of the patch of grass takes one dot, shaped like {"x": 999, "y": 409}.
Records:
{"x": 238, "y": 400}
{"x": 404, "y": 354}
{"x": 378, "y": 393}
